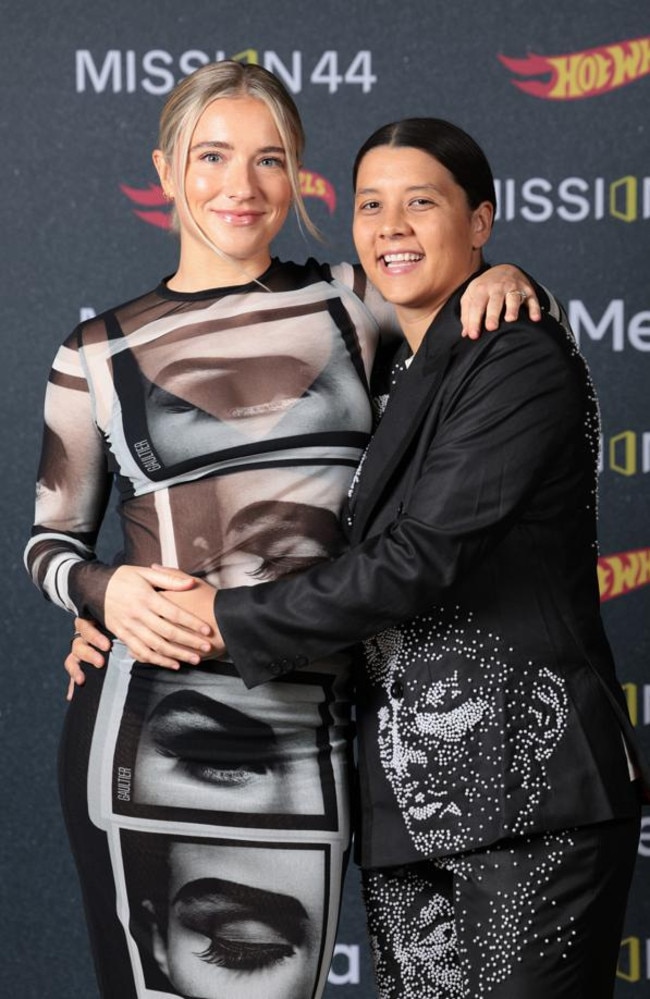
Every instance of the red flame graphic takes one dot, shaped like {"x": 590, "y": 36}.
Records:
{"x": 152, "y": 200}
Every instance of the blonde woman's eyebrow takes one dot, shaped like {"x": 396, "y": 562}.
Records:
{"x": 209, "y": 144}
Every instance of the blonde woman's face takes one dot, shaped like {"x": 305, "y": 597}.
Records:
{"x": 237, "y": 185}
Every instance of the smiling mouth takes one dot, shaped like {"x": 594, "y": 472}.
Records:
{"x": 400, "y": 259}
{"x": 240, "y": 218}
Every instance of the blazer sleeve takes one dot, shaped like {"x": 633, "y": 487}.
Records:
{"x": 517, "y": 406}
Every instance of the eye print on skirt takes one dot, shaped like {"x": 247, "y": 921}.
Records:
{"x": 197, "y": 752}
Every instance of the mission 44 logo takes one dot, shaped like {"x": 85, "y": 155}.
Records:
{"x": 157, "y": 71}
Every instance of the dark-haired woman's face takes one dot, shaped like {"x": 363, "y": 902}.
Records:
{"x": 414, "y": 231}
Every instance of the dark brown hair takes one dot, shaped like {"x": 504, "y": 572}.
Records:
{"x": 447, "y": 143}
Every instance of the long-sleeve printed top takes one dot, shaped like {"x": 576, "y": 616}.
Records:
{"x": 231, "y": 421}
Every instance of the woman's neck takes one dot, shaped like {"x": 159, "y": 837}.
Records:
{"x": 415, "y": 322}
{"x": 200, "y": 270}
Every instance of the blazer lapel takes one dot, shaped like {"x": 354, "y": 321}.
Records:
{"x": 409, "y": 403}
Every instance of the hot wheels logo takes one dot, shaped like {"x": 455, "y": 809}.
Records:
{"x": 622, "y": 573}
{"x": 582, "y": 74}
{"x": 153, "y": 208}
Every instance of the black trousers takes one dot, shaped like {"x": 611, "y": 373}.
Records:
{"x": 533, "y": 918}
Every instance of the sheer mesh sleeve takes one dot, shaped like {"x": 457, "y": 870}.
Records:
{"x": 72, "y": 491}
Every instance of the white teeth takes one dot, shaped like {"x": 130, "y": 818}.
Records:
{"x": 402, "y": 258}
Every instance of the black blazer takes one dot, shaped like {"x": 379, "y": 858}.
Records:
{"x": 488, "y": 705}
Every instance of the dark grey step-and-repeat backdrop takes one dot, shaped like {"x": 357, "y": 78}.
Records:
{"x": 559, "y": 96}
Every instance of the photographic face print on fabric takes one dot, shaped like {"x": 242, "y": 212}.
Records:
{"x": 442, "y": 740}
{"x": 235, "y": 530}
{"x": 197, "y": 746}
{"x": 222, "y": 398}
{"x": 216, "y": 919}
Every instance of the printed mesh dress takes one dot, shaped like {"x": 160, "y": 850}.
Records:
{"x": 210, "y": 823}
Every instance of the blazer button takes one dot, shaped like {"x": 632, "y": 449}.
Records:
{"x": 397, "y": 689}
